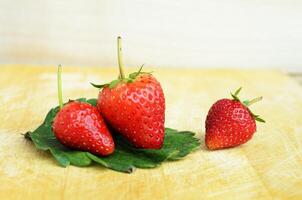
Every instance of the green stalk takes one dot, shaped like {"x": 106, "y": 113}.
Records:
{"x": 248, "y": 103}
{"x": 59, "y": 79}
{"x": 120, "y": 57}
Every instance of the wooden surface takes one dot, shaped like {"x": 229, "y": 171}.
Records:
{"x": 269, "y": 166}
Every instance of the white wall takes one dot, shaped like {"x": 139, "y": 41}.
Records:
{"x": 188, "y": 33}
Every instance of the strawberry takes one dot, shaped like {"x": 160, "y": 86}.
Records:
{"x": 79, "y": 125}
{"x": 230, "y": 123}
{"x": 134, "y": 107}
{"x": 136, "y": 110}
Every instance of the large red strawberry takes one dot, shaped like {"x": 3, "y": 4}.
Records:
{"x": 134, "y": 107}
{"x": 230, "y": 123}
{"x": 79, "y": 125}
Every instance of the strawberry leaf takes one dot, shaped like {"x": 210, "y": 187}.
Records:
{"x": 99, "y": 86}
{"x": 238, "y": 91}
{"x": 126, "y": 158}
{"x": 135, "y": 74}
{"x": 257, "y": 118}
{"x": 114, "y": 83}
{"x": 235, "y": 95}
{"x": 129, "y": 79}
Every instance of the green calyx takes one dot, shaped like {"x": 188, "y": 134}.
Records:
{"x": 131, "y": 78}
{"x": 248, "y": 103}
{"x": 121, "y": 78}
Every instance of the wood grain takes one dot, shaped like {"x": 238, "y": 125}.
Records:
{"x": 269, "y": 166}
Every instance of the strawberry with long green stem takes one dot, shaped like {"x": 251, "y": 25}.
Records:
{"x": 134, "y": 106}
{"x": 80, "y": 126}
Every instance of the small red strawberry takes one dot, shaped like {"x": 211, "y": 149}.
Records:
{"x": 134, "y": 107}
{"x": 230, "y": 123}
{"x": 79, "y": 125}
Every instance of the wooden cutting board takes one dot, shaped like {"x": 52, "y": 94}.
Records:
{"x": 269, "y": 166}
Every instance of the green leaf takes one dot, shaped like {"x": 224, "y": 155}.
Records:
{"x": 235, "y": 95}
{"x": 135, "y": 74}
{"x": 128, "y": 80}
{"x": 99, "y": 86}
{"x": 257, "y": 118}
{"x": 126, "y": 158}
{"x": 92, "y": 101}
{"x": 114, "y": 83}
{"x": 177, "y": 144}
{"x": 238, "y": 91}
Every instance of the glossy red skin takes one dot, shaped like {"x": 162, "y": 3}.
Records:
{"x": 80, "y": 126}
{"x": 229, "y": 123}
{"x": 136, "y": 110}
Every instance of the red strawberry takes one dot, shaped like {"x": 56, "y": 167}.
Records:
{"x": 134, "y": 107}
{"x": 136, "y": 110}
{"x": 80, "y": 126}
{"x": 230, "y": 123}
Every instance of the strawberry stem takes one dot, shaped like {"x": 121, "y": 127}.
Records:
{"x": 248, "y": 103}
{"x": 120, "y": 57}
{"x": 59, "y": 78}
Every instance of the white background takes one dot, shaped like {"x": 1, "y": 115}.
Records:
{"x": 188, "y": 33}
